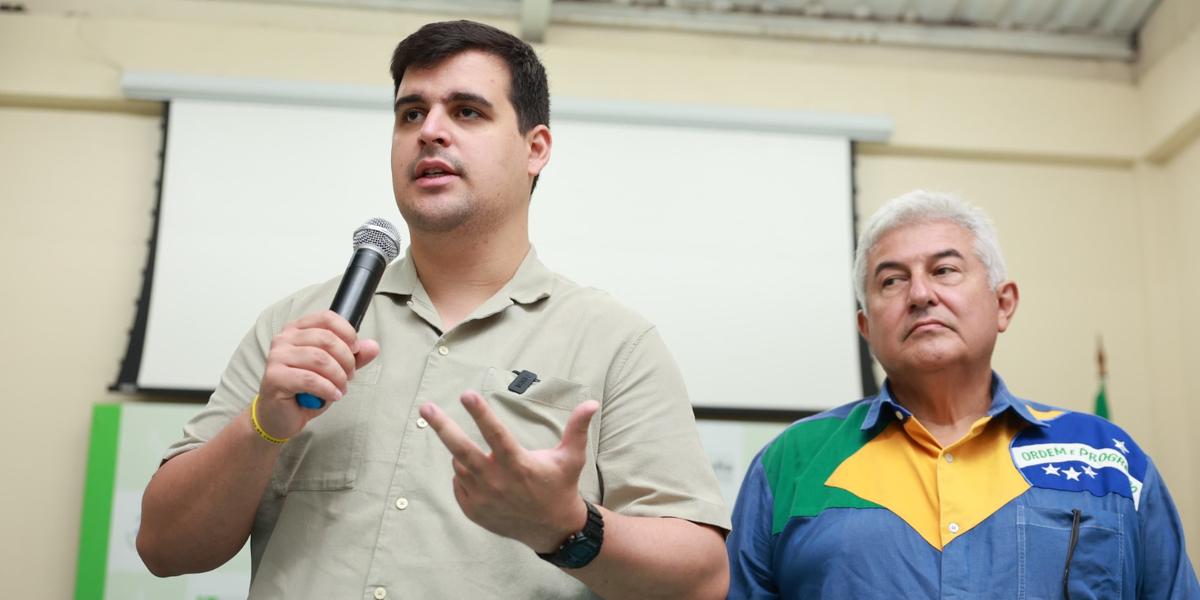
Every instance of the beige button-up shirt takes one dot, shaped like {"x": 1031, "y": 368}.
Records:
{"x": 360, "y": 504}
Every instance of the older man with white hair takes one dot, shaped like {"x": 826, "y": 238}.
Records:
{"x": 945, "y": 484}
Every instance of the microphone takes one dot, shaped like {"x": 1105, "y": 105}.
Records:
{"x": 376, "y": 243}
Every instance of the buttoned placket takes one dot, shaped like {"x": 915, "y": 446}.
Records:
{"x": 956, "y": 568}
{"x": 957, "y": 579}
{"x": 401, "y": 505}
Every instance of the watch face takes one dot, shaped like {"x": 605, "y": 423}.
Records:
{"x": 579, "y": 551}
{"x": 582, "y": 546}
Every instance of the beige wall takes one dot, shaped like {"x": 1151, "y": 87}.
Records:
{"x": 1171, "y": 211}
{"x": 78, "y": 195}
{"x": 1090, "y": 169}
{"x": 1169, "y": 198}
{"x": 1064, "y": 235}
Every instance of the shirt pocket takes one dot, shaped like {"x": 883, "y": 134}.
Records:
{"x": 327, "y": 453}
{"x": 538, "y": 415}
{"x": 1097, "y": 562}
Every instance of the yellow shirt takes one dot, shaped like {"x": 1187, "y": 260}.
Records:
{"x": 941, "y": 492}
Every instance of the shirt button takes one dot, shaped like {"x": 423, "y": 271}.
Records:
{"x": 410, "y": 303}
{"x": 899, "y": 416}
{"x": 422, "y": 423}
{"x": 380, "y": 593}
{"x": 443, "y": 350}
{"x": 953, "y": 528}
{"x": 401, "y": 503}
{"x": 949, "y": 457}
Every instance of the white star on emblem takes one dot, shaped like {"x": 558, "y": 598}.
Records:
{"x": 1072, "y": 474}
{"x": 1089, "y": 472}
{"x": 1050, "y": 469}
{"x": 1121, "y": 446}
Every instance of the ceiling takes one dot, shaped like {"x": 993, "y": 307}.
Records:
{"x": 1102, "y": 29}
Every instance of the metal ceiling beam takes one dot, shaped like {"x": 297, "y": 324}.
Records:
{"x": 535, "y": 18}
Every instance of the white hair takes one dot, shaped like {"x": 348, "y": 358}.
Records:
{"x": 920, "y": 206}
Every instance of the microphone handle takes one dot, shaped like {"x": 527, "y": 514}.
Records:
{"x": 352, "y": 298}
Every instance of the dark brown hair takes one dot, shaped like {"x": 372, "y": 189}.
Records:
{"x": 528, "y": 92}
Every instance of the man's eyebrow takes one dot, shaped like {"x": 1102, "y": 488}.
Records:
{"x": 891, "y": 264}
{"x": 409, "y": 99}
{"x": 948, "y": 253}
{"x": 887, "y": 264}
{"x": 468, "y": 97}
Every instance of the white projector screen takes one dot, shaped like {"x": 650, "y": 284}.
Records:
{"x": 736, "y": 243}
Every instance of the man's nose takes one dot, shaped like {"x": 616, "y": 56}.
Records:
{"x": 433, "y": 128}
{"x": 920, "y": 292}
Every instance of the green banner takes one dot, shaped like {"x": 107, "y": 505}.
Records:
{"x": 97, "y": 502}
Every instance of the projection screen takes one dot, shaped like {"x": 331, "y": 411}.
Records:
{"x": 732, "y": 234}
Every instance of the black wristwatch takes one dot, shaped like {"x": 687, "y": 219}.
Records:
{"x": 582, "y": 546}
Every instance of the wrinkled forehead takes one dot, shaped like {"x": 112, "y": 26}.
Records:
{"x": 920, "y": 240}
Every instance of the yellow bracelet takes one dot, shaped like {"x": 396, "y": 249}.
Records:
{"x": 254, "y": 420}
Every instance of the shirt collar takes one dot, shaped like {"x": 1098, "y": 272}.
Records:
{"x": 885, "y": 406}
{"x": 532, "y": 281}
{"x": 400, "y": 277}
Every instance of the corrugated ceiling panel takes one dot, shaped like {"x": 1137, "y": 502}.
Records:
{"x": 1092, "y": 28}
{"x": 1029, "y": 14}
{"x": 1076, "y": 15}
{"x": 935, "y": 11}
{"x": 888, "y": 10}
{"x": 984, "y": 12}
{"x": 1125, "y": 16}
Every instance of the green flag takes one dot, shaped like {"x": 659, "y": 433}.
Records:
{"x": 1101, "y": 409}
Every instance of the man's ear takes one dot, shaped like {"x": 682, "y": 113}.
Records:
{"x": 1007, "y": 296}
{"x": 539, "y": 141}
{"x": 863, "y": 326}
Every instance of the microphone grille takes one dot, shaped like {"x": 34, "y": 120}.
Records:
{"x": 381, "y": 235}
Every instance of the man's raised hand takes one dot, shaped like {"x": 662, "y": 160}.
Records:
{"x": 531, "y": 496}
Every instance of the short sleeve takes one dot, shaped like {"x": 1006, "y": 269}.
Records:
{"x": 238, "y": 385}
{"x": 649, "y": 456}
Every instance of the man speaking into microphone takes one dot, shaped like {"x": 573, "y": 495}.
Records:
{"x": 493, "y": 430}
